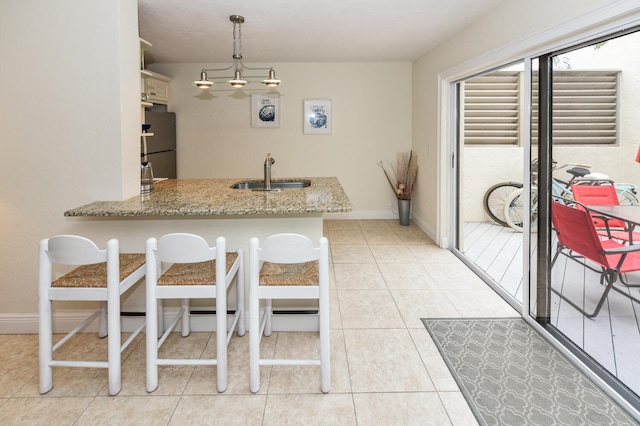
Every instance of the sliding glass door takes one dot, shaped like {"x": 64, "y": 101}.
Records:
{"x": 525, "y": 133}
{"x": 594, "y": 121}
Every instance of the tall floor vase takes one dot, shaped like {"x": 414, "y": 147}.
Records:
{"x": 404, "y": 211}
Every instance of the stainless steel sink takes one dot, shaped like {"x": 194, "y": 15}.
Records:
{"x": 258, "y": 185}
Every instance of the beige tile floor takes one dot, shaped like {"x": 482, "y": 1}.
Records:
{"x": 385, "y": 369}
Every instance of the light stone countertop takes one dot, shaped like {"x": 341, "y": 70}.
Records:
{"x": 207, "y": 197}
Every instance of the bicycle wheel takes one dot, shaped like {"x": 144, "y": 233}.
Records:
{"x": 494, "y": 200}
{"x": 626, "y": 197}
{"x": 514, "y": 209}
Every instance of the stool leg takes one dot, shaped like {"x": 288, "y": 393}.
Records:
{"x": 160, "y": 308}
{"x": 46, "y": 345}
{"x": 153, "y": 318}
{"x": 114, "y": 342}
{"x": 254, "y": 317}
{"x": 325, "y": 341}
{"x": 323, "y": 313}
{"x": 103, "y": 329}
{"x": 186, "y": 326}
{"x": 152, "y": 341}
{"x": 221, "y": 338}
{"x": 268, "y": 312}
{"x": 254, "y": 340}
{"x": 240, "y": 295}
{"x": 45, "y": 335}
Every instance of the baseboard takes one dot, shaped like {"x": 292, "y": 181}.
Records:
{"x": 280, "y": 322}
{"x": 424, "y": 226}
{"x": 22, "y": 323}
{"x": 63, "y": 323}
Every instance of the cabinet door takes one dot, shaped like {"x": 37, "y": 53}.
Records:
{"x": 157, "y": 90}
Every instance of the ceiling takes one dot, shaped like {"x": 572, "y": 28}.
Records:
{"x": 199, "y": 31}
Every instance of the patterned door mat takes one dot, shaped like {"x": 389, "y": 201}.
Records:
{"x": 510, "y": 375}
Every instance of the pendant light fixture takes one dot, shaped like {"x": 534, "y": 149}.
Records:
{"x": 237, "y": 80}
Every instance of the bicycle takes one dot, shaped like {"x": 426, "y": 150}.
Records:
{"x": 496, "y": 196}
{"x": 514, "y": 203}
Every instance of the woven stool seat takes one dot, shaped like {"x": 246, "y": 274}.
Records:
{"x": 95, "y": 275}
{"x": 290, "y": 274}
{"x": 199, "y": 273}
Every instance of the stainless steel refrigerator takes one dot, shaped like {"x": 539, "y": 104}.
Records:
{"x": 161, "y": 147}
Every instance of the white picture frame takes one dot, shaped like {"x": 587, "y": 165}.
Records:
{"x": 265, "y": 110}
{"x": 317, "y": 117}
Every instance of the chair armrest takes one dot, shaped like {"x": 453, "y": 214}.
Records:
{"x": 622, "y": 249}
{"x": 605, "y": 219}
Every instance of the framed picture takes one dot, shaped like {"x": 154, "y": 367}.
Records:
{"x": 265, "y": 110}
{"x": 317, "y": 117}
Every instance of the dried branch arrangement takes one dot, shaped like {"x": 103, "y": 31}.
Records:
{"x": 403, "y": 174}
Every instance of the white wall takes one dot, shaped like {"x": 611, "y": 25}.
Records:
{"x": 69, "y": 101}
{"x": 371, "y": 122}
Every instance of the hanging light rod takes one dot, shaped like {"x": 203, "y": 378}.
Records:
{"x": 237, "y": 80}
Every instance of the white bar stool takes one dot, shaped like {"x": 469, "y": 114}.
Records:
{"x": 288, "y": 266}
{"x": 101, "y": 275}
{"x": 183, "y": 266}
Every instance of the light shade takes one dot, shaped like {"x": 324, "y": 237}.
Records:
{"x": 204, "y": 82}
{"x": 237, "y": 80}
{"x": 271, "y": 81}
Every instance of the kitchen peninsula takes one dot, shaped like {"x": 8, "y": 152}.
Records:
{"x": 215, "y": 197}
{"x": 210, "y": 208}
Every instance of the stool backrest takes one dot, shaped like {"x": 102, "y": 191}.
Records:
{"x": 75, "y": 250}
{"x": 288, "y": 248}
{"x": 186, "y": 248}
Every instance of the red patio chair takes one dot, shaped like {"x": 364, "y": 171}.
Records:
{"x": 604, "y": 195}
{"x": 578, "y": 240}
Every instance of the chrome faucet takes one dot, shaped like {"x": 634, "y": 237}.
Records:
{"x": 267, "y": 172}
